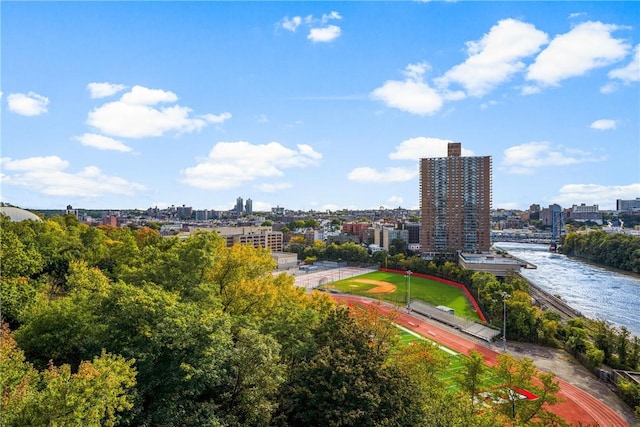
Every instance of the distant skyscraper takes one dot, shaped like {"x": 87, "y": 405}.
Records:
{"x": 248, "y": 207}
{"x": 238, "y": 207}
{"x": 455, "y": 202}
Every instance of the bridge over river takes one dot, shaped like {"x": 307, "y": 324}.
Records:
{"x": 521, "y": 236}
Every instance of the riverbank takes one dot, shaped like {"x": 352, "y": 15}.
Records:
{"x": 546, "y": 301}
{"x": 596, "y": 292}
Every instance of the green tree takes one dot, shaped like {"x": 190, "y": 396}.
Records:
{"x": 242, "y": 278}
{"x": 66, "y": 330}
{"x": 398, "y": 246}
{"x": 522, "y": 375}
{"x": 180, "y": 349}
{"x": 623, "y": 346}
{"x": 93, "y": 396}
{"x": 522, "y": 317}
{"x": 346, "y": 383}
{"x": 604, "y": 339}
{"x": 470, "y": 377}
{"x": 18, "y": 259}
{"x": 175, "y": 265}
{"x": 254, "y": 375}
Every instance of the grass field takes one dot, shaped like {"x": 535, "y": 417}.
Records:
{"x": 454, "y": 361}
{"x": 429, "y": 291}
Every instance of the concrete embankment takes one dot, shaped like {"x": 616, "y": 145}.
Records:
{"x": 551, "y": 302}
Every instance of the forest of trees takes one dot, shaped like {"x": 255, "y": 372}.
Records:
{"x": 615, "y": 250}
{"x": 105, "y": 326}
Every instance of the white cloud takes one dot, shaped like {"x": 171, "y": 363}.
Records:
{"x": 604, "y": 196}
{"x": 46, "y": 175}
{"x": 625, "y": 75}
{"x": 368, "y": 175}
{"x": 30, "y": 104}
{"x": 140, "y": 95}
{"x": 319, "y": 31}
{"x": 631, "y": 72}
{"x": 609, "y": 88}
{"x": 329, "y": 16}
{"x": 48, "y": 163}
{"x": 524, "y": 159}
{"x": 423, "y": 147}
{"x": 412, "y": 94}
{"x": 577, "y": 15}
{"x": 102, "y": 142}
{"x": 603, "y": 124}
{"x": 134, "y": 115}
{"x": 324, "y": 34}
{"x": 291, "y": 24}
{"x": 220, "y": 118}
{"x": 495, "y": 58}
{"x": 102, "y": 90}
{"x": 230, "y": 164}
{"x": 587, "y": 46}
{"x": 530, "y": 90}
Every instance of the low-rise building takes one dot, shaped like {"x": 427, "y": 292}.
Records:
{"x": 498, "y": 264}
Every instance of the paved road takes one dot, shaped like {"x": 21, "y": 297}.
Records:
{"x": 579, "y": 406}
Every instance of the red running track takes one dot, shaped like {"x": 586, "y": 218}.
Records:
{"x": 577, "y": 407}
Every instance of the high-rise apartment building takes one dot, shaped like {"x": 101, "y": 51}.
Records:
{"x": 239, "y": 207}
{"x": 455, "y": 203}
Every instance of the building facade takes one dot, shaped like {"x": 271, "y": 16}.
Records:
{"x": 583, "y": 213}
{"x": 628, "y": 205}
{"x": 455, "y": 203}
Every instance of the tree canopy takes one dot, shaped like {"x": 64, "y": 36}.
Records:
{"x": 116, "y": 326}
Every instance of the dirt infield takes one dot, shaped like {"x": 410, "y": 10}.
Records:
{"x": 381, "y": 287}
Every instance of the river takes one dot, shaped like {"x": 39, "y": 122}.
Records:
{"x": 597, "y": 292}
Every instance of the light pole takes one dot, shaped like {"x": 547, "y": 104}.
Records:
{"x": 504, "y": 320}
{"x": 409, "y": 272}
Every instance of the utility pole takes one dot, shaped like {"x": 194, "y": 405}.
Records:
{"x": 504, "y": 320}
{"x": 409, "y": 273}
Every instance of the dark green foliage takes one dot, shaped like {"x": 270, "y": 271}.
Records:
{"x": 212, "y": 337}
{"x": 345, "y": 382}
{"x": 614, "y": 250}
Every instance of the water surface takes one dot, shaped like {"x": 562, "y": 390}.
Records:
{"x": 597, "y": 292}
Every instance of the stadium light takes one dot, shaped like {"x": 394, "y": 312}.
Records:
{"x": 409, "y": 273}
{"x": 504, "y": 320}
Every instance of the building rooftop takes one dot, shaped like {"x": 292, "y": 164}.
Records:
{"x": 17, "y": 214}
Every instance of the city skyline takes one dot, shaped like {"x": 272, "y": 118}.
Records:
{"x": 315, "y": 105}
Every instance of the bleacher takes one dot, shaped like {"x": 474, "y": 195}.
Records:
{"x": 467, "y": 326}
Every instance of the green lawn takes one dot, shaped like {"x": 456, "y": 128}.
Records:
{"x": 454, "y": 363}
{"x": 429, "y": 291}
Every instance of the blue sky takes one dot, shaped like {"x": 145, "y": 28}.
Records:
{"x": 315, "y": 105}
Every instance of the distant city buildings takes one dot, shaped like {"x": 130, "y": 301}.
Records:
{"x": 454, "y": 216}
{"x": 455, "y": 203}
{"x": 628, "y": 205}
{"x": 584, "y": 213}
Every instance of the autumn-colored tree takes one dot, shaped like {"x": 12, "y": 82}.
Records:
{"x": 522, "y": 375}
{"x": 345, "y": 382}
{"x": 93, "y": 396}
